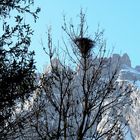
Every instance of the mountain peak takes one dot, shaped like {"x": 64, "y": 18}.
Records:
{"x": 125, "y": 60}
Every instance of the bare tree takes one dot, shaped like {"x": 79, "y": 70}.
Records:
{"x": 82, "y": 102}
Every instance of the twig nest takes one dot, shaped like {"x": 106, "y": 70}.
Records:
{"x": 84, "y": 45}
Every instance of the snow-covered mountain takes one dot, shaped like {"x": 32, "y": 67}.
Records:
{"x": 132, "y": 76}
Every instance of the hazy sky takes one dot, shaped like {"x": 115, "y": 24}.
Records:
{"x": 119, "y": 18}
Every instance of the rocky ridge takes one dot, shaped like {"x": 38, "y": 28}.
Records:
{"x": 131, "y": 75}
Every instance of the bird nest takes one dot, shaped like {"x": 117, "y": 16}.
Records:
{"x": 84, "y": 45}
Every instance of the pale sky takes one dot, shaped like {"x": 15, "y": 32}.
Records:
{"x": 119, "y": 18}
